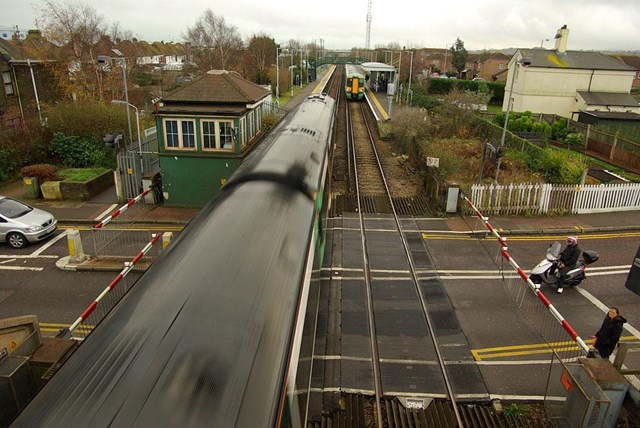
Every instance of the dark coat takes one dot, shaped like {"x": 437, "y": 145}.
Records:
{"x": 570, "y": 255}
{"x": 608, "y": 335}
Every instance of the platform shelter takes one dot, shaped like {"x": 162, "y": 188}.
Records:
{"x": 380, "y": 76}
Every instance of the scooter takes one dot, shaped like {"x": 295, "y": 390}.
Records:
{"x": 547, "y": 272}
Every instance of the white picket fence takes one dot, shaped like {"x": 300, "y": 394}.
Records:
{"x": 542, "y": 198}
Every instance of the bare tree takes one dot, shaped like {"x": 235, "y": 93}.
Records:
{"x": 73, "y": 30}
{"x": 261, "y": 51}
{"x": 214, "y": 41}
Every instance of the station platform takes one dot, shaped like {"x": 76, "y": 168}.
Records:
{"x": 381, "y": 104}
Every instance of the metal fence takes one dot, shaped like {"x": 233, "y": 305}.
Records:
{"x": 544, "y": 198}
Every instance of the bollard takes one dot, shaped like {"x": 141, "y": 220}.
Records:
{"x": 166, "y": 239}
{"x": 76, "y": 252}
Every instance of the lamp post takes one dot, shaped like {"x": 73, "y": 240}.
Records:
{"x": 525, "y": 62}
{"x": 102, "y": 59}
{"x": 278, "y": 75}
{"x": 542, "y": 41}
{"x": 120, "y": 102}
{"x": 410, "y": 70}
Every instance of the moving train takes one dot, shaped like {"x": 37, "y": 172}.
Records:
{"x": 354, "y": 82}
{"x": 219, "y": 331}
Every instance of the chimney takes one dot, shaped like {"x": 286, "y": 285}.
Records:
{"x": 562, "y": 37}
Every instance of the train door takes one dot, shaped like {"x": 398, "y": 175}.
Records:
{"x": 355, "y": 83}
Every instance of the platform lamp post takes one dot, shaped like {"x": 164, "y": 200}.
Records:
{"x": 103, "y": 59}
{"x": 410, "y": 70}
{"x": 278, "y": 75}
{"x": 120, "y": 102}
{"x": 524, "y": 62}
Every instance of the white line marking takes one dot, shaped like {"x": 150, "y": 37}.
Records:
{"x": 28, "y": 257}
{"x": 8, "y": 261}
{"x": 20, "y": 268}
{"x": 105, "y": 212}
{"x": 49, "y": 244}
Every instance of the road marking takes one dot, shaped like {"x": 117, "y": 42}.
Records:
{"x": 28, "y": 257}
{"x": 8, "y": 261}
{"x": 531, "y": 349}
{"x": 20, "y": 268}
{"x": 447, "y": 235}
{"x": 49, "y": 244}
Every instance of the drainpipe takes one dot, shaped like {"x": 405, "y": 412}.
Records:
{"x": 15, "y": 79}
{"x": 35, "y": 90}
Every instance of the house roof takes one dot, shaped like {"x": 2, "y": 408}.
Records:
{"x": 632, "y": 60}
{"x": 608, "y": 99}
{"x": 218, "y": 86}
{"x": 546, "y": 58}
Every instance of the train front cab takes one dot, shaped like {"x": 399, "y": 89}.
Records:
{"x": 355, "y": 88}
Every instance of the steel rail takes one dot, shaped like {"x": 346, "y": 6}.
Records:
{"x": 414, "y": 276}
{"x": 375, "y": 356}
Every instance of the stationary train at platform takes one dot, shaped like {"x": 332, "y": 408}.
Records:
{"x": 354, "y": 82}
{"x": 219, "y": 331}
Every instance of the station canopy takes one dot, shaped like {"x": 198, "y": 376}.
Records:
{"x": 378, "y": 66}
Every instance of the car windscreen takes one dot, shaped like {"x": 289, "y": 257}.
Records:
{"x": 11, "y": 208}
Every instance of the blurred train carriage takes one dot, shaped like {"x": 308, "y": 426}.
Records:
{"x": 354, "y": 82}
{"x": 219, "y": 331}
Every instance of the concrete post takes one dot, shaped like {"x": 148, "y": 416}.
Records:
{"x": 76, "y": 252}
{"x": 166, "y": 239}
{"x": 453, "y": 191}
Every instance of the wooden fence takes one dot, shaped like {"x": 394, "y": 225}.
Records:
{"x": 542, "y": 198}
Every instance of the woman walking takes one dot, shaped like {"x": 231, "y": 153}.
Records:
{"x": 607, "y": 337}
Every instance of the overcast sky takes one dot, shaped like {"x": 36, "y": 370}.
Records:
{"x": 480, "y": 24}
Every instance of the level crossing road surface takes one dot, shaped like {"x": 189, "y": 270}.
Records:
{"x": 464, "y": 269}
{"x": 463, "y": 275}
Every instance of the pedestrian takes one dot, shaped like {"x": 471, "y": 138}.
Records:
{"x": 607, "y": 337}
{"x": 568, "y": 259}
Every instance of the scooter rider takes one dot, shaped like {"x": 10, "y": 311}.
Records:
{"x": 568, "y": 259}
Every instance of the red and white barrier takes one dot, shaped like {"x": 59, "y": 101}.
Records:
{"x": 113, "y": 283}
{"x": 122, "y": 209}
{"x": 534, "y": 287}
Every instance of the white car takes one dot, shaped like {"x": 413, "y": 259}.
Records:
{"x": 21, "y": 224}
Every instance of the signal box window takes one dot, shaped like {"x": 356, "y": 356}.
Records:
{"x": 180, "y": 134}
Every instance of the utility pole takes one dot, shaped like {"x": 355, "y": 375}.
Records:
{"x": 367, "y": 42}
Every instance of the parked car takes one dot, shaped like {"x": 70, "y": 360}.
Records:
{"x": 478, "y": 79}
{"x": 21, "y": 224}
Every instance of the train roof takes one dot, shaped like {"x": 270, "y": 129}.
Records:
{"x": 354, "y": 69}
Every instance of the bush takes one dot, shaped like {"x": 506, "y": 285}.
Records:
{"x": 81, "y": 152}
{"x": 8, "y": 163}
{"x": 574, "y": 139}
{"x": 43, "y": 172}
{"x": 269, "y": 121}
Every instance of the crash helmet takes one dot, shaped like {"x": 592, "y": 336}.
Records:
{"x": 572, "y": 240}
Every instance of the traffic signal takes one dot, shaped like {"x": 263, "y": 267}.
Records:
{"x": 111, "y": 140}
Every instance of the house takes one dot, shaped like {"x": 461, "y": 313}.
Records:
{"x": 563, "y": 82}
{"x": 633, "y": 61}
{"x": 26, "y": 81}
{"x": 205, "y": 130}
{"x": 486, "y": 65}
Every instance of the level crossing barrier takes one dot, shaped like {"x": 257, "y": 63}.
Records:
{"x": 82, "y": 326}
{"x": 116, "y": 237}
{"x": 571, "y": 394}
